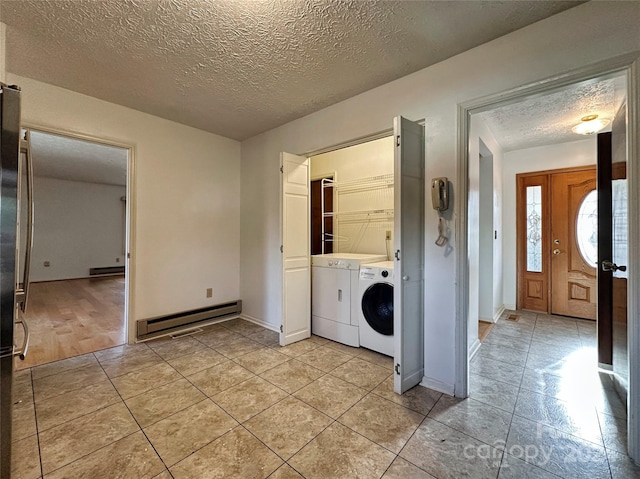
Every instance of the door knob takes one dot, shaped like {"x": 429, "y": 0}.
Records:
{"x": 611, "y": 266}
{"x": 405, "y": 278}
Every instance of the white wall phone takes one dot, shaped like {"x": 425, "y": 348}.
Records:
{"x": 440, "y": 193}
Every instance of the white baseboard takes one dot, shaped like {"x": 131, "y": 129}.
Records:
{"x": 496, "y": 316}
{"x": 474, "y": 348}
{"x": 511, "y": 307}
{"x": 437, "y": 385}
{"x": 259, "y": 322}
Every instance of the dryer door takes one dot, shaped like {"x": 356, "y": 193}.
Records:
{"x": 377, "y": 308}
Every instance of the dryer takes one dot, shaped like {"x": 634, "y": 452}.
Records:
{"x": 334, "y": 295}
{"x": 375, "y": 297}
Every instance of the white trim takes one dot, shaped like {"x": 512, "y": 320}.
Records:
{"x": 510, "y": 307}
{"x": 129, "y": 298}
{"x": 496, "y": 316}
{"x": 436, "y": 385}
{"x": 474, "y": 348}
{"x": 259, "y": 322}
{"x": 626, "y": 63}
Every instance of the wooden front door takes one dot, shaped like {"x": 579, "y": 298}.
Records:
{"x": 574, "y": 229}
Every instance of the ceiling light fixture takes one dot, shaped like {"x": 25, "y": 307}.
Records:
{"x": 590, "y": 124}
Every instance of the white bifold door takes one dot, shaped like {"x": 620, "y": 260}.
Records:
{"x": 408, "y": 283}
{"x": 296, "y": 269}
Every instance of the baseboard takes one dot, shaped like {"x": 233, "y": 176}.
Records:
{"x": 474, "y": 348}
{"x": 259, "y": 322}
{"x": 497, "y": 315}
{"x": 511, "y": 307}
{"x": 437, "y": 385}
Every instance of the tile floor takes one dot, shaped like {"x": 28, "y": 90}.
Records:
{"x": 229, "y": 403}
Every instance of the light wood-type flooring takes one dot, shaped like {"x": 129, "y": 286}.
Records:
{"x": 72, "y": 317}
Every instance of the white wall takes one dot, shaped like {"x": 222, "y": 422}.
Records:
{"x": 3, "y": 55}
{"x": 551, "y": 157}
{"x": 575, "y": 38}
{"x": 483, "y": 142}
{"x": 77, "y": 226}
{"x": 370, "y": 159}
{"x": 185, "y": 197}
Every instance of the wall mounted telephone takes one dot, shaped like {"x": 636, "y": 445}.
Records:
{"x": 440, "y": 193}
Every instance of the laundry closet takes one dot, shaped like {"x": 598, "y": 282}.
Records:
{"x": 352, "y": 210}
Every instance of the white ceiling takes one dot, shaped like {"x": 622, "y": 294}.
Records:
{"x": 72, "y": 159}
{"x": 241, "y": 67}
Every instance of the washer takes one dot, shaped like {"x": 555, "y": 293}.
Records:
{"x": 334, "y": 295}
{"x": 375, "y": 297}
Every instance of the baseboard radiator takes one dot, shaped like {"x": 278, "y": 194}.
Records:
{"x": 162, "y": 325}
{"x": 106, "y": 270}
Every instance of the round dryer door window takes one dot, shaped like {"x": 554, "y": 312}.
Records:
{"x": 377, "y": 307}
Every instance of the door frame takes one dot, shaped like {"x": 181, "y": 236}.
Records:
{"x": 629, "y": 64}
{"x": 546, "y": 230}
{"x": 130, "y": 219}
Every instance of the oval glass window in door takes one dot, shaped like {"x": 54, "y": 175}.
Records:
{"x": 587, "y": 229}
{"x": 377, "y": 307}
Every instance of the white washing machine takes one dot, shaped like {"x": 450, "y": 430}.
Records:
{"x": 375, "y": 298}
{"x": 334, "y": 295}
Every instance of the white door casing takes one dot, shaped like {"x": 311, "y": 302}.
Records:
{"x": 408, "y": 291}
{"x": 296, "y": 269}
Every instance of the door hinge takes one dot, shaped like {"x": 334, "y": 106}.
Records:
{"x": 281, "y": 249}
{"x": 397, "y": 255}
{"x": 281, "y": 328}
{"x": 282, "y": 169}
{"x": 398, "y": 140}
{"x": 397, "y": 368}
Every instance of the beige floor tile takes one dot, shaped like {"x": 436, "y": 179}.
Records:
{"x": 288, "y": 426}
{"x": 401, "y": 469}
{"x": 297, "y": 349}
{"x": 22, "y": 389}
{"x": 343, "y": 348}
{"x": 324, "y": 358}
{"x": 242, "y": 326}
{"x": 183, "y": 433}
{"x": 285, "y": 472}
{"x": 64, "y": 365}
{"x": 65, "y": 407}
{"x": 164, "y": 475}
{"x": 219, "y": 378}
{"x": 163, "y": 401}
{"x": 116, "y": 352}
{"x": 418, "y": 398}
{"x": 54, "y": 385}
{"x": 197, "y": 361}
{"x": 25, "y": 459}
{"x": 267, "y": 338}
{"x": 338, "y": 452}
{"x": 292, "y": 375}
{"x": 331, "y": 395}
{"x": 376, "y": 358}
{"x": 382, "y": 421}
{"x": 261, "y": 360}
{"x": 64, "y": 444}
{"x": 238, "y": 347}
{"x": 361, "y": 373}
{"x": 318, "y": 339}
{"x": 249, "y": 398}
{"x": 218, "y": 337}
{"x": 174, "y": 348}
{"x": 130, "y": 362}
{"x": 129, "y": 458}
{"x": 237, "y": 454}
{"x": 142, "y": 380}
{"x": 23, "y": 421}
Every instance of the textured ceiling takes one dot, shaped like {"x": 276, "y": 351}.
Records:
{"x": 548, "y": 119}
{"x": 67, "y": 158}
{"x": 238, "y": 68}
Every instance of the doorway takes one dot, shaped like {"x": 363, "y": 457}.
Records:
{"x": 78, "y": 267}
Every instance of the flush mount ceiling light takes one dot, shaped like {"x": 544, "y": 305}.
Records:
{"x": 590, "y": 124}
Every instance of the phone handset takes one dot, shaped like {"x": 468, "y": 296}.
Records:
{"x": 440, "y": 202}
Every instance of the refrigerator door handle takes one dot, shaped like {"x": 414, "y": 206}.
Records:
{"x": 25, "y": 147}
{"x": 22, "y": 351}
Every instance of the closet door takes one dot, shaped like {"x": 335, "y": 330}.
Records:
{"x": 296, "y": 270}
{"x": 408, "y": 294}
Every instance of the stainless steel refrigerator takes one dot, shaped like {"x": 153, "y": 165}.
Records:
{"x": 14, "y": 180}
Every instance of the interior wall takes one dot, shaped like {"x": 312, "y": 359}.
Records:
{"x": 486, "y": 238}
{"x": 185, "y": 198}
{"x": 3, "y": 55}
{"x": 570, "y": 40}
{"x": 550, "y": 157}
{"x": 370, "y": 159}
{"x": 77, "y": 226}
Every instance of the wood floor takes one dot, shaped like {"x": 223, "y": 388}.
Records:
{"x": 72, "y": 317}
{"x": 484, "y": 328}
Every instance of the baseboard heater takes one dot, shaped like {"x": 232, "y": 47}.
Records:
{"x": 106, "y": 270}
{"x": 162, "y": 325}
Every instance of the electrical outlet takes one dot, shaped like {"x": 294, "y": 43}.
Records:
{"x": 388, "y": 235}
{"x": 209, "y": 292}
{"x": 47, "y": 264}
